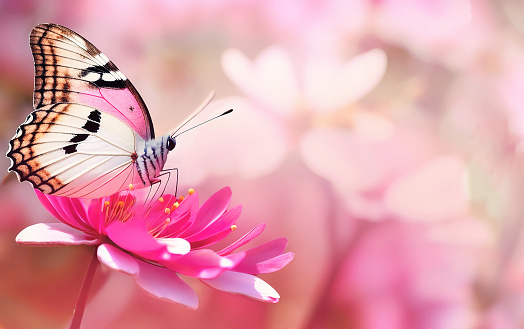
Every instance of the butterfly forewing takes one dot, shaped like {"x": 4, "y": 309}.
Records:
{"x": 69, "y": 69}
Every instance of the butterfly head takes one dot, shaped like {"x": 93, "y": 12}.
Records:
{"x": 170, "y": 143}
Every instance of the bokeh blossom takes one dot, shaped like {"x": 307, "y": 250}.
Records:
{"x": 156, "y": 243}
{"x": 285, "y": 101}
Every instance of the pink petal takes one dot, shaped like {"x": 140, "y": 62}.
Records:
{"x": 204, "y": 264}
{"x": 66, "y": 209}
{"x": 117, "y": 259}
{"x": 243, "y": 240}
{"x": 360, "y": 168}
{"x": 245, "y": 284}
{"x": 330, "y": 85}
{"x": 271, "y": 79}
{"x": 444, "y": 192}
{"x": 157, "y": 216}
{"x": 267, "y": 266}
{"x": 210, "y": 211}
{"x": 53, "y": 234}
{"x": 265, "y": 258}
{"x": 165, "y": 284}
{"x": 223, "y": 223}
{"x": 183, "y": 216}
{"x": 96, "y": 216}
{"x": 48, "y": 205}
{"x": 211, "y": 240}
{"x": 266, "y": 251}
{"x": 178, "y": 225}
{"x": 176, "y": 246}
{"x": 133, "y": 236}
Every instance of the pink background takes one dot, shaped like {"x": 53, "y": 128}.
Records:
{"x": 383, "y": 138}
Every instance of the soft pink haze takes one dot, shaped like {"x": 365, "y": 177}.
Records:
{"x": 382, "y": 138}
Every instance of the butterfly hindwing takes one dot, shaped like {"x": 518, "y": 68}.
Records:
{"x": 69, "y": 69}
{"x": 73, "y": 150}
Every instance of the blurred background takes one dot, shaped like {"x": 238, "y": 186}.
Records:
{"x": 383, "y": 138}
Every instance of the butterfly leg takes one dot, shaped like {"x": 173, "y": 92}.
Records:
{"x": 159, "y": 183}
{"x": 168, "y": 172}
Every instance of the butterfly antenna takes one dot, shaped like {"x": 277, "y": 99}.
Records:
{"x": 198, "y": 110}
{"x": 213, "y": 118}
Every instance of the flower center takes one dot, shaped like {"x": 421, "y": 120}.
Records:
{"x": 118, "y": 208}
{"x": 163, "y": 219}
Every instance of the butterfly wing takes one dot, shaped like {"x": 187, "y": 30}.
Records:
{"x": 69, "y": 69}
{"x": 74, "y": 150}
{"x": 88, "y": 122}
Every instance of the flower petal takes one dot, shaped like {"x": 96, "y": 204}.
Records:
{"x": 117, "y": 259}
{"x": 48, "y": 205}
{"x": 266, "y": 258}
{"x": 165, "y": 284}
{"x": 66, "y": 208}
{"x": 270, "y": 79}
{"x": 330, "y": 85}
{"x": 211, "y": 240}
{"x": 53, "y": 234}
{"x": 176, "y": 246}
{"x": 133, "y": 236}
{"x": 211, "y": 210}
{"x": 256, "y": 231}
{"x": 203, "y": 264}
{"x": 95, "y": 215}
{"x": 267, "y": 266}
{"x": 443, "y": 181}
{"x": 245, "y": 284}
{"x": 221, "y": 224}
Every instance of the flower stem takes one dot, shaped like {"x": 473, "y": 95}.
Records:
{"x": 84, "y": 292}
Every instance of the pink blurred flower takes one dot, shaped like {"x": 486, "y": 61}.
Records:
{"x": 327, "y": 84}
{"x": 157, "y": 243}
{"x": 447, "y": 31}
{"x": 413, "y": 275}
{"x": 278, "y": 109}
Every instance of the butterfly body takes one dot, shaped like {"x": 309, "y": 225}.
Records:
{"x": 90, "y": 134}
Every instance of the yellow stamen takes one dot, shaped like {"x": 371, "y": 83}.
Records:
{"x": 175, "y": 205}
{"x": 233, "y": 227}
{"x": 160, "y": 228}
{"x": 181, "y": 198}
{"x": 167, "y": 210}
{"x": 161, "y": 199}
{"x": 190, "y": 191}
{"x": 131, "y": 187}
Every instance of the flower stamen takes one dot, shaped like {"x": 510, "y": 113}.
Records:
{"x": 118, "y": 211}
{"x": 155, "y": 232}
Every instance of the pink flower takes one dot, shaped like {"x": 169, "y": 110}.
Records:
{"x": 448, "y": 32}
{"x": 158, "y": 242}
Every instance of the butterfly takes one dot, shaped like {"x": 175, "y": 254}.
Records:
{"x": 90, "y": 134}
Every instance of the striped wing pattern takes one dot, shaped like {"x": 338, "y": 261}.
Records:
{"x": 69, "y": 69}
{"x": 89, "y": 121}
{"x": 74, "y": 150}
